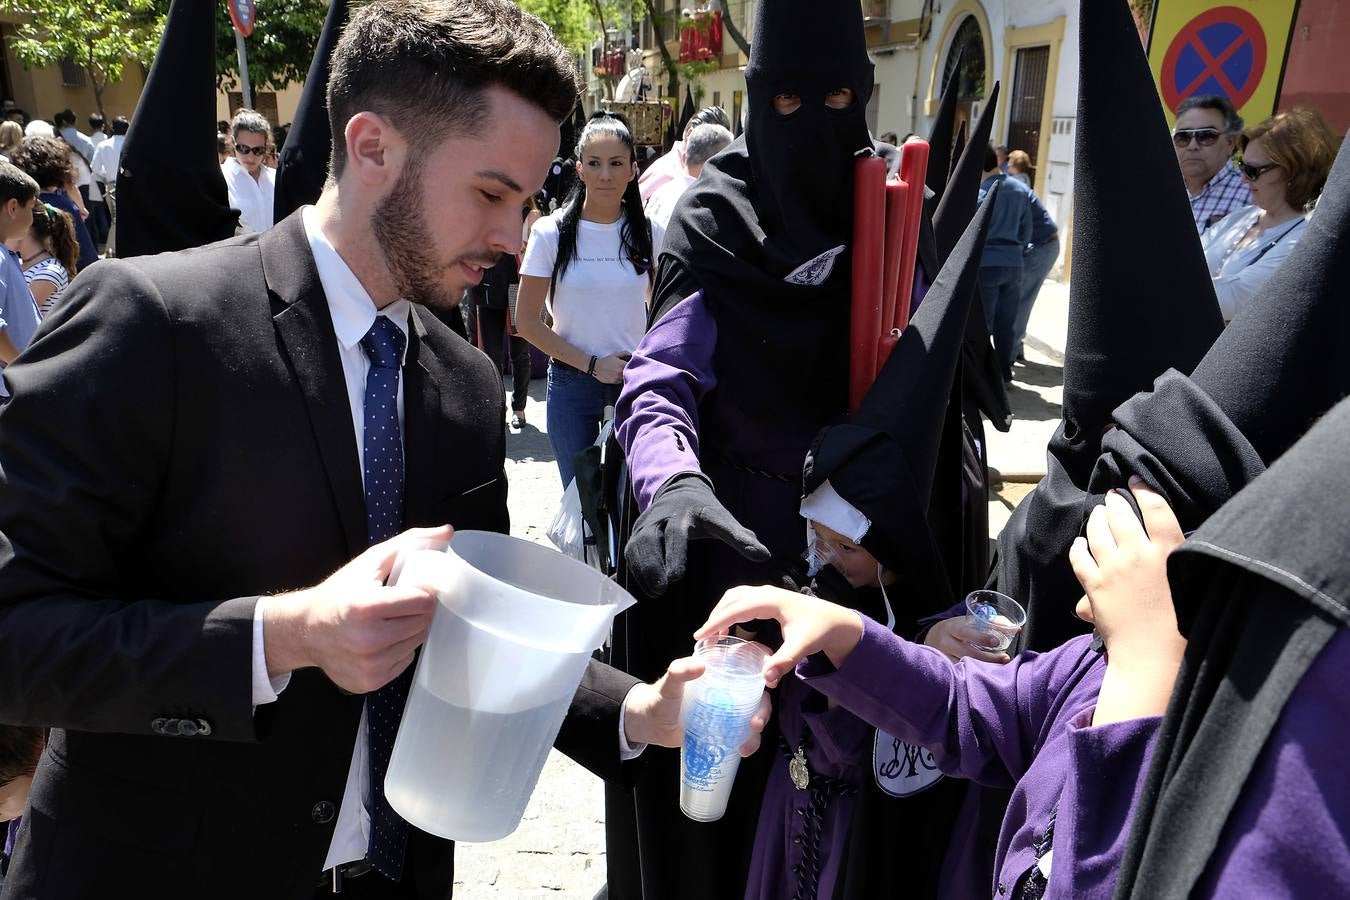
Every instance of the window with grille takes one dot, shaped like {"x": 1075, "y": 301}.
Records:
{"x": 72, "y": 76}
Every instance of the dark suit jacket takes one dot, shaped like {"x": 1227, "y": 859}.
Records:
{"x": 180, "y": 442}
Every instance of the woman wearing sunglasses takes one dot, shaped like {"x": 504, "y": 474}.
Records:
{"x": 1285, "y": 161}
{"x": 251, "y": 182}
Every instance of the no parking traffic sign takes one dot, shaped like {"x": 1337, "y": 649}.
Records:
{"x": 1236, "y": 49}
{"x": 242, "y": 14}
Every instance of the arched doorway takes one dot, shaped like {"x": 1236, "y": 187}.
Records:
{"x": 966, "y": 63}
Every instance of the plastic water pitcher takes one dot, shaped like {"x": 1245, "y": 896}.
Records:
{"x": 509, "y": 643}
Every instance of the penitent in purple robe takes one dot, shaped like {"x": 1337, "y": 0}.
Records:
{"x": 1026, "y": 725}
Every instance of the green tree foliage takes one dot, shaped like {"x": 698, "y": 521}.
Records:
{"x": 100, "y": 37}
{"x": 280, "y": 48}
{"x": 573, "y": 21}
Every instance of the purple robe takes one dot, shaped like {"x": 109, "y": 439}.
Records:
{"x": 838, "y": 746}
{"x": 1288, "y": 834}
{"x": 657, "y": 412}
{"x": 1026, "y": 725}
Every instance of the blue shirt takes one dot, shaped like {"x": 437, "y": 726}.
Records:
{"x": 17, "y": 310}
{"x": 1043, "y": 227}
{"x": 88, "y": 252}
{"x": 1010, "y": 225}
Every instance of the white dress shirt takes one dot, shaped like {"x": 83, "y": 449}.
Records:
{"x": 108, "y": 159}
{"x": 252, "y": 197}
{"x": 353, "y": 314}
{"x": 661, "y": 205}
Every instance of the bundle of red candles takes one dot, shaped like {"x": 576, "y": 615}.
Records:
{"x": 885, "y": 246}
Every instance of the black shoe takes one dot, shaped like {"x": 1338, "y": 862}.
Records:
{"x": 518, "y": 420}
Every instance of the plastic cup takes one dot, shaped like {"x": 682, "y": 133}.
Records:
{"x": 716, "y": 715}
{"x": 996, "y": 615}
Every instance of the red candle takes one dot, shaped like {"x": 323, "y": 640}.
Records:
{"x": 913, "y": 168}
{"x": 869, "y": 223}
{"x": 896, "y": 208}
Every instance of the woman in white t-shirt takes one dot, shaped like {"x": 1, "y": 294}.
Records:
{"x": 591, "y": 263}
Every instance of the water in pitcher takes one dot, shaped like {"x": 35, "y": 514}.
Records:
{"x": 477, "y": 792}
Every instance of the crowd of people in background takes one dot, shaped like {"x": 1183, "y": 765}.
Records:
{"x": 69, "y": 221}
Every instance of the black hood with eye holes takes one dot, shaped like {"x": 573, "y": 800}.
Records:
{"x": 803, "y": 161}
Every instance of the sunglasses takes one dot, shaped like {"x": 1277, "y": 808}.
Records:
{"x": 1205, "y": 137}
{"x": 1251, "y": 173}
{"x": 256, "y": 151}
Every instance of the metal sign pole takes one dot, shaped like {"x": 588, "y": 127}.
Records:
{"x": 243, "y": 70}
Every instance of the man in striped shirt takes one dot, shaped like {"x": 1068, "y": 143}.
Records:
{"x": 1206, "y": 133}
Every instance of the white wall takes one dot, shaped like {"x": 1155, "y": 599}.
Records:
{"x": 896, "y": 108}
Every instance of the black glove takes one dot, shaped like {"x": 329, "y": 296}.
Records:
{"x": 684, "y": 510}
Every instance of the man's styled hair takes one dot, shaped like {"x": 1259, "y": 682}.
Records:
{"x": 252, "y": 122}
{"x": 63, "y": 118}
{"x": 990, "y": 158}
{"x": 709, "y": 115}
{"x": 423, "y": 66}
{"x": 1232, "y": 122}
{"x": 705, "y": 142}
{"x": 121, "y": 125}
{"x": 96, "y": 121}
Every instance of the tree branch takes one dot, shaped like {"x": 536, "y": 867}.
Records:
{"x": 733, "y": 30}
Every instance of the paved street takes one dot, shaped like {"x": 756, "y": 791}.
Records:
{"x": 559, "y": 849}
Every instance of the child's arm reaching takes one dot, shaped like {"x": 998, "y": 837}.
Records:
{"x": 1122, "y": 565}
{"x": 981, "y": 721}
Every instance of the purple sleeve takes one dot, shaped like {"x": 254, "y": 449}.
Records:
{"x": 1287, "y": 833}
{"x": 1106, "y": 771}
{"x": 981, "y": 721}
{"x": 657, "y": 413}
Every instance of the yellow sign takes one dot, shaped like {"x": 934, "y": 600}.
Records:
{"x": 1236, "y": 49}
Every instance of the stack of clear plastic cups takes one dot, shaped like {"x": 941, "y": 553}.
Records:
{"x": 717, "y": 710}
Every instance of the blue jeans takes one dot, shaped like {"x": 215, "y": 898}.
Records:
{"x": 1036, "y": 265}
{"x": 999, "y": 293}
{"x": 576, "y": 407}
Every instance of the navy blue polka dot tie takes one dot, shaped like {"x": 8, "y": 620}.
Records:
{"x": 383, "y": 446}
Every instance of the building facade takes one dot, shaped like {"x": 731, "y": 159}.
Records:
{"x": 42, "y": 93}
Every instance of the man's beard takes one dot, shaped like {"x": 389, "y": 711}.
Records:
{"x": 400, "y": 229}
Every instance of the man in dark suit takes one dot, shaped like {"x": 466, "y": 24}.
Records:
{"x": 206, "y": 472}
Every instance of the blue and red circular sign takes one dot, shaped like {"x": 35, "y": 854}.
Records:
{"x": 243, "y": 15}
{"x": 1221, "y": 51}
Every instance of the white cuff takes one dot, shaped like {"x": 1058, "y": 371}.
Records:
{"x": 266, "y": 688}
{"x": 626, "y": 750}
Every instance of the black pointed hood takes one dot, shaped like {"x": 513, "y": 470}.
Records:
{"x": 567, "y": 147}
{"x": 961, "y": 196}
{"x": 1128, "y": 322}
{"x": 302, "y": 164}
{"x": 940, "y": 140}
{"x": 1285, "y": 360}
{"x": 959, "y": 148}
{"x": 982, "y": 376}
{"x": 802, "y": 162}
{"x": 170, "y": 192}
{"x": 687, "y": 114}
{"x": 882, "y": 460}
{"x": 1260, "y": 591}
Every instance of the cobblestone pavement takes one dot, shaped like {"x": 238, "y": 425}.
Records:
{"x": 559, "y": 849}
